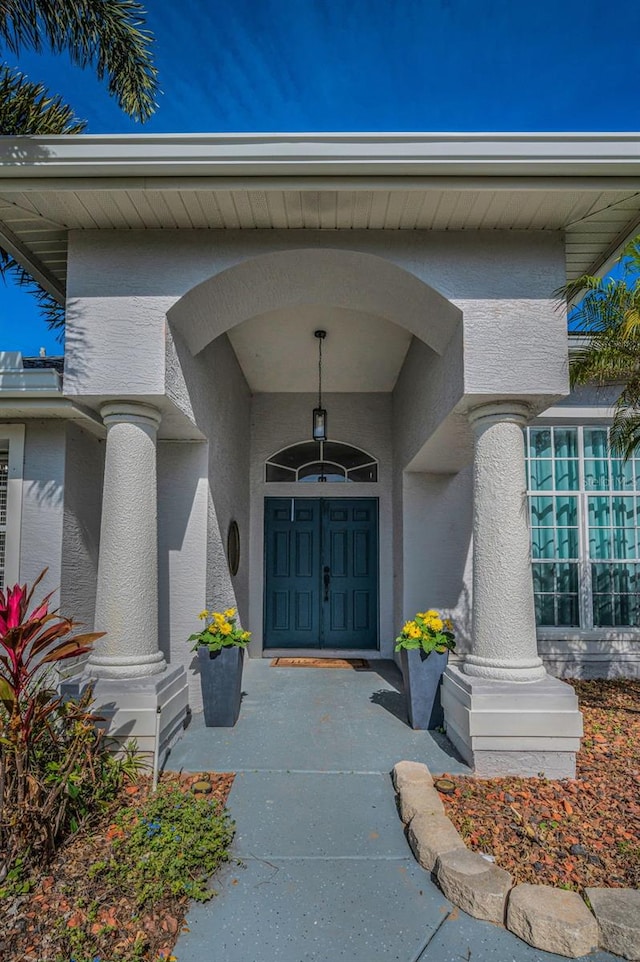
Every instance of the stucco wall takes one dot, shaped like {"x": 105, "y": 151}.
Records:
{"x": 43, "y": 503}
{"x": 436, "y": 536}
{"x": 84, "y": 469}
{"x": 363, "y": 420}
{"x": 182, "y": 547}
{"x": 121, "y": 285}
{"x": 203, "y": 486}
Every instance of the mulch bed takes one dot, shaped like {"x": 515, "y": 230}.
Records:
{"x": 572, "y": 833}
{"x": 28, "y": 923}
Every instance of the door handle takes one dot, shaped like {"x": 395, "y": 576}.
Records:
{"x": 327, "y": 581}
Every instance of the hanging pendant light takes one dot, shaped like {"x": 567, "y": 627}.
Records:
{"x": 319, "y": 413}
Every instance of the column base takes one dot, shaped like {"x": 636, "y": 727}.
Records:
{"x": 512, "y": 728}
{"x": 128, "y": 706}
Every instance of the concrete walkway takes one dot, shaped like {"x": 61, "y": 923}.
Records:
{"x": 326, "y": 871}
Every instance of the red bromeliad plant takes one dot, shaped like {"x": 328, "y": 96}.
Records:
{"x": 35, "y": 723}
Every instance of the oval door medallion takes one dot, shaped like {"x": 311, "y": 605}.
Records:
{"x": 233, "y": 547}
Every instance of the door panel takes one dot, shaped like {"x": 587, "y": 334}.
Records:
{"x": 321, "y": 573}
{"x": 292, "y": 561}
{"x": 350, "y": 549}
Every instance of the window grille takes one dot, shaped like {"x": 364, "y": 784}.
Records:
{"x": 585, "y": 529}
{"x": 330, "y": 461}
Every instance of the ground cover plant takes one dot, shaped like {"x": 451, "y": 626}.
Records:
{"x": 119, "y": 890}
{"x": 576, "y": 832}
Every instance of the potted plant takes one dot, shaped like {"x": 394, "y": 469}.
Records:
{"x": 220, "y": 645}
{"x": 424, "y": 645}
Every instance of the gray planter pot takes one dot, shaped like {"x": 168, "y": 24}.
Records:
{"x": 221, "y": 681}
{"x": 422, "y": 675}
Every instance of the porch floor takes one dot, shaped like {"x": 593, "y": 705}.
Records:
{"x": 325, "y": 870}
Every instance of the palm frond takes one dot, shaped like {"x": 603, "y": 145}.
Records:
{"x": 51, "y": 310}
{"x": 108, "y": 35}
{"x": 28, "y": 108}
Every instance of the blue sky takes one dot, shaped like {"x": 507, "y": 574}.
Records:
{"x": 363, "y": 65}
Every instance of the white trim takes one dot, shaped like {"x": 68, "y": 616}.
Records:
{"x": 13, "y": 436}
{"x": 414, "y": 154}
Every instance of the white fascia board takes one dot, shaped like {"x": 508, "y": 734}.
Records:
{"x": 24, "y": 381}
{"x": 251, "y": 155}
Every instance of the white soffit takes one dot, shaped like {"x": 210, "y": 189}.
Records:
{"x": 587, "y": 185}
{"x": 278, "y": 352}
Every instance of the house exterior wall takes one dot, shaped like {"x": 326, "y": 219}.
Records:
{"x": 121, "y": 286}
{"x": 183, "y": 488}
{"x": 364, "y": 420}
{"x": 83, "y": 476}
{"x": 43, "y": 503}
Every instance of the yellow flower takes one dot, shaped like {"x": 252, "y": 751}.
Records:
{"x": 431, "y": 613}
{"x": 414, "y": 631}
{"x": 408, "y": 625}
{"x": 230, "y": 612}
{"x": 448, "y": 624}
{"x": 437, "y": 624}
{"x": 246, "y": 635}
{"x": 203, "y": 614}
{"x": 218, "y": 618}
{"x": 225, "y": 628}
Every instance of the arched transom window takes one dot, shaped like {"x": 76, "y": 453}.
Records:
{"x": 321, "y": 461}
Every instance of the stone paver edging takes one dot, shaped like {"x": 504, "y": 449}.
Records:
{"x": 550, "y": 919}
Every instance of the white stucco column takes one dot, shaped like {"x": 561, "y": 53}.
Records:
{"x": 504, "y": 643}
{"x": 127, "y": 592}
{"x": 503, "y": 712}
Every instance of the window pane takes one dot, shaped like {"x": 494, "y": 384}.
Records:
{"x": 566, "y": 578}
{"x": 602, "y": 578}
{"x": 368, "y": 473}
{"x": 596, "y": 475}
{"x": 567, "y": 540}
{"x": 595, "y": 443}
{"x": 276, "y": 473}
{"x": 540, "y": 443}
{"x": 566, "y": 473}
{"x": 565, "y": 442}
{"x": 542, "y": 512}
{"x": 567, "y": 511}
{"x": 345, "y": 455}
{"x": 545, "y": 610}
{"x": 602, "y": 611}
{"x": 298, "y": 454}
{"x": 624, "y": 544}
{"x": 599, "y": 512}
{"x": 321, "y": 472}
{"x": 600, "y": 543}
{"x": 543, "y": 579}
{"x": 621, "y": 475}
{"x": 541, "y": 475}
{"x": 568, "y": 610}
{"x": 543, "y": 543}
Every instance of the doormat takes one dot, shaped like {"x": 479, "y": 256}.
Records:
{"x": 357, "y": 664}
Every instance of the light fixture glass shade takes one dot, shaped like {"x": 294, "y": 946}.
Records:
{"x": 319, "y": 424}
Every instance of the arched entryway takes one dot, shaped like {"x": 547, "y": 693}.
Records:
{"x": 257, "y": 319}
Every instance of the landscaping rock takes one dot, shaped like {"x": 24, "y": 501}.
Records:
{"x": 405, "y": 773}
{"x": 430, "y": 836}
{"x": 418, "y": 798}
{"x": 551, "y": 919}
{"x": 479, "y": 888}
{"x": 617, "y": 912}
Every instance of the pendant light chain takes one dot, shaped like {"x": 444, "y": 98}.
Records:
{"x": 320, "y": 339}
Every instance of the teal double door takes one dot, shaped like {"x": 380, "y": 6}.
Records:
{"x": 321, "y": 573}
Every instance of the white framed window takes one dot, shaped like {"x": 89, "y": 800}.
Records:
{"x": 321, "y": 461}
{"x": 585, "y": 529}
{"x": 11, "y": 468}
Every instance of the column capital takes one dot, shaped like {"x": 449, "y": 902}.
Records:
{"x": 130, "y": 412}
{"x": 495, "y": 412}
